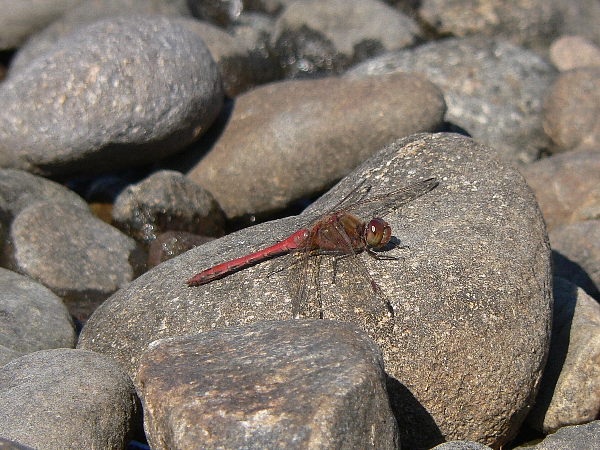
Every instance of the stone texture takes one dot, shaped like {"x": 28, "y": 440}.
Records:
{"x": 494, "y": 89}
{"x": 570, "y": 109}
{"x": 349, "y": 23}
{"x": 169, "y": 244}
{"x": 461, "y": 445}
{"x": 57, "y": 399}
{"x": 164, "y": 201}
{"x": 72, "y": 252}
{"x": 574, "y": 52}
{"x": 309, "y": 384}
{"x": 531, "y": 23}
{"x": 20, "y": 19}
{"x": 120, "y": 92}
{"x": 471, "y": 292}
{"x": 580, "y": 243}
{"x": 20, "y": 189}
{"x": 32, "y": 318}
{"x": 570, "y": 389}
{"x": 84, "y": 13}
{"x": 579, "y": 437}
{"x": 566, "y": 186}
{"x": 289, "y": 140}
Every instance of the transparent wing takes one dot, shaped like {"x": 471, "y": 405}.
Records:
{"x": 380, "y": 205}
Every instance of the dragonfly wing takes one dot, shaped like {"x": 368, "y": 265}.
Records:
{"x": 379, "y": 205}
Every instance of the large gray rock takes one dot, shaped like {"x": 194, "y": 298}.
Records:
{"x": 64, "y": 398}
{"x": 471, "y": 294}
{"x": 120, "y": 92}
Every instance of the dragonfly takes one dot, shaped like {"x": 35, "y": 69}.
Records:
{"x": 338, "y": 233}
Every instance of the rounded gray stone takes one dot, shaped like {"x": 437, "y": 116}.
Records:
{"x": 120, "y": 92}
{"x": 470, "y": 293}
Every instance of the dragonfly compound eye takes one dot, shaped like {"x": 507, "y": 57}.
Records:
{"x": 378, "y": 233}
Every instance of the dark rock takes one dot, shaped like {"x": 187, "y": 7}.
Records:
{"x": 570, "y": 389}
{"x": 167, "y": 200}
{"x": 471, "y": 292}
{"x": 309, "y": 384}
{"x": 171, "y": 244}
{"x": 579, "y": 437}
{"x": 242, "y": 64}
{"x": 580, "y": 243}
{"x": 494, "y": 89}
{"x": 570, "y": 109}
{"x": 289, "y": 140}
{"x": 347, "y": 24}
{"x": 32, "y": 318}
{"x": 57, "y": 399}
{"x": 220, "y": 12}
{"x": 566, "y": 186}
{"x": 120, "y": 92}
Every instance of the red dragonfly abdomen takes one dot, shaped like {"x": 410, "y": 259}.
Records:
{"x": 290, "y": 243}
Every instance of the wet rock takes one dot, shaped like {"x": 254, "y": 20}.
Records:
{"x": 530, "y": 23}
{"x": 242, "y": 63}
{"x": 167, "y": 200}
{"x": 32, "y": 318}
{"x": 570, "y": 389}
{"x": 120, "y": 92}
{"x": 574, "y": 52}
{"x": 346, "y": 25}
{"x": 220, "y": 12}
{"x": 84, "y": 13}
{"x": 494, "y": 89}
{"x": 566, "y": 186}
{"x": 290, "y": 140}
{"x": 470, "y": 292}
{"x": 57, "y": 399}
{"x": 19, "y": 19}
{"x": 75, "y": 254}
{"x": 309, "y": 384}
{"x": 580, "y": 243}
{"x": 170, "y": 244}
{"x": 570, "y": 107}
{"x": 579, "y": 437}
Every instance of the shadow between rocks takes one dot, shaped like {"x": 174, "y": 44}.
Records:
{"x": 573, "y": 272}
{"x": 417, "y": 428}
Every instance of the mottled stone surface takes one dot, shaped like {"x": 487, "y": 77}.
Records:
{"x": 57, "y": 399}
{"x": 470, "y": 293}
{"x": 289, "y": 140}
{"x": 309, "y": 384}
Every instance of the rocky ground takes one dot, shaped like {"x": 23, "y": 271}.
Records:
{"x": 142, "y": 142}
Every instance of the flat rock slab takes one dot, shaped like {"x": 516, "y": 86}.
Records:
{"x": 471, "y": 294}
{"x": 308, "y": 384}
{"x": 122, "y": 91}
{"x": 57, "y": 399}
{"x": 290, "y": 140}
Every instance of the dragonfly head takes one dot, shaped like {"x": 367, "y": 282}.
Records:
{"x": 377, "y": 233}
